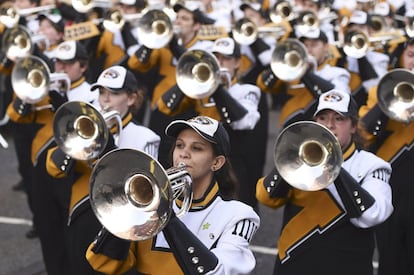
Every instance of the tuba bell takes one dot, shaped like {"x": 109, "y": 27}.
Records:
{"x": 31, "y": 79}
{"x": 81, "y": 131}
{"x": 289, "y": 60}
{"x": 155, "y": 29}
{"x": 132, "y": 195}
{"x": 307, "y": 155}
{"x": 395, "y": 93}
{"x": 198, "y": 74}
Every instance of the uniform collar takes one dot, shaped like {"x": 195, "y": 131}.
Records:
{"x": 77, "y": 83}
{"x": 125, "y": 120}
{"x": 349, "y": 151}
{"x": 206, "y": 200}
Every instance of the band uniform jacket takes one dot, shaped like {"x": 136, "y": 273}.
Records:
{"x": 300, "y": 98}
{"x": 82, "y": 225}
{"x": 225, "y": 227}
{"x": 317, "y": 233}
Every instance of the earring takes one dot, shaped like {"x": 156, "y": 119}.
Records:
{"x": 213, "y": 168}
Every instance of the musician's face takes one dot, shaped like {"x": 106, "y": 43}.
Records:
{"x": 317, "y": 48}
{"x": 47, "y": 29}
{"x": 73, "y": 69}
{"x": 342, "y": 127}
{"x": 408, "y": 57}
{"x": 232, "y": 64}
{"x": 111, "y": 101}
{"x": 185, "y": 22}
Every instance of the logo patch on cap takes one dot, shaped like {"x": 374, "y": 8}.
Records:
{"x": 203, "y": 120}
{"x": 112, "y": 74}
{"x": 333, "y": 97}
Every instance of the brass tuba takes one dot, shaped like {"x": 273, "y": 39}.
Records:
{"x": 155, "y": 29}
{"x": 307, "y": 21}
{"x": 395, "y": 93}
{"x": 307, "y": 155}
{"x": 289, "y": 60}
{"x": 198, "y": 74}
{"x": 31, "y": 79}
{"x": 132, "y": 195}
{"x": 81, "y": 131}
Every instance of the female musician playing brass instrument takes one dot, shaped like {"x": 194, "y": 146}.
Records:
{"x": 329, "y": 230}
{"x": 213, "y": 237}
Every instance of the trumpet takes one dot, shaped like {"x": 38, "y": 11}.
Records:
{"x": 155, "y": 29}
{"x": 131, "y": 194}
{"x": 245, "y": 32}
{"x": 31, "y": 79}
{"x": 84, "y": 6}
{"x": 395, "y": 95}
{"x": 290, "y": 60}
{"x": 81, "y": 131}
{"x": 307, "y": 155}
{"x": 199, "y": 74}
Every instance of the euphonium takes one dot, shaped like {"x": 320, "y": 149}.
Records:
{"x": 132, "y": 195}
{"x": 31, "y": 79}
{"x": 307, "y": 21}
{"x": 289, "y": 60}
{"x": 155, "y": 29}
{"x": 356, "y": 44}
{"x": 9, "y": 15}
{"x": 81, "y": 131}
{"x": 395, "y": 94}
{"x": 245, "y": 31}
{"x": 307, "y": 155}
{"x": 198, "y": 74}
{"x": 282, "y": 10}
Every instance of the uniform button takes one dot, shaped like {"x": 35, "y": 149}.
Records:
{"x": 195, "y": 260}
{"x": 190, "y": 250}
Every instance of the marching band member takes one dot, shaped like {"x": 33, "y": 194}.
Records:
{"x": 189, "y": 19}
{"x": 331, "y": 230}
{"x": 236, "y": 105}
{"x": 318, "y": 78}
{"x": 391, "y": 139}
{"x": 212, "y": 237}
{"x": 117, "y": 88}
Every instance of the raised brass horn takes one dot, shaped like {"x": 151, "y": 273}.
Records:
{"x": 307, "y": 21}
{"x": 395, "y": 93}
{"x": 114, "y": 19}
{"x": 81, "y": 131}
{"x": 289, "y": 60}
{"x": 307, "y": 155}
{"x": 155, "y": 29}
{"x": 282, "y": 10}
{"x": 84, "y": 6}
{"x": 245, "y": 31}
{"x": 9, "y": 15}
{"x": 356, "y": 44}
{"x": 198, "y": 74}
{"x": 31, "y": 79}
{"x": 132, "y": 195}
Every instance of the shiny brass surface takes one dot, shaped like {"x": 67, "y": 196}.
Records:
{"x": 307, "y": 155}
